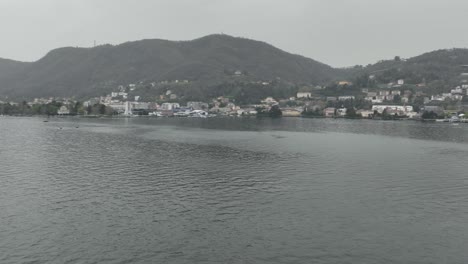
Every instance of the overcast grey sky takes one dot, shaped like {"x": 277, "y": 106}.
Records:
{"x": 336, "y": 32}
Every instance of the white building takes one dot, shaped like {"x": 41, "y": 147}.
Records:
{"x": 140, "y": 105}
{"x": 345, "y": 97}
{"x": 304, "y": 95}
{"x": 374, "y": 100}
{"x": 457, "y": 90}
{"x": 398, "y": 108}
{"x": 63, "y": 110}
{"x": 269, "y": 100}
{"x": 438, "y": 97}
{"x": 169, "y": 106}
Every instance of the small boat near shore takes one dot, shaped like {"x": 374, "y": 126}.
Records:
{"x": 155, "y": 113}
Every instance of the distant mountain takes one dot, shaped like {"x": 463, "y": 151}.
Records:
{"x": 210, "y": 64}
{"x": 85, "y": 72}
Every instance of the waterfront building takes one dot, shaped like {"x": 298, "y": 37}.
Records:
{"x": 169, "y": 106}
{"x": 63, "y": 110}
{"x": 398, "y": 108}
{"x": 329, "y": 111}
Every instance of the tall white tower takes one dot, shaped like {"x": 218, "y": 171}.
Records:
{"x": 128, "y": 109}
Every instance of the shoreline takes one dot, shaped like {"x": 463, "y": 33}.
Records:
{"x": 221, "y": 116}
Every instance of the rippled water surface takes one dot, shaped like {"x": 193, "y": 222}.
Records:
{"x": 232, "y": 191}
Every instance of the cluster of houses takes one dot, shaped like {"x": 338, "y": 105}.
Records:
{"x": 455, "y": 94}
{"x": 390, "y": 110}
{"x": 378, "y": 97}
{"x": 222, "y": 106}
{"x": 393, "y": 100}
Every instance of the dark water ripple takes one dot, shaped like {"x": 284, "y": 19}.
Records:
{"x": 230, "y": 191}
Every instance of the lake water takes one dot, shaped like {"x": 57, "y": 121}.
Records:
{"x": 227, "y": 190}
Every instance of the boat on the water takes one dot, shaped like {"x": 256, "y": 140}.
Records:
{"x": 155, "y": 113}
{"x": 182, "y": 114}
{"x": 199, "y": 114}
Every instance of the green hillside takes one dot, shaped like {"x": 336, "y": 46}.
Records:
{"x": 209, "y": 60}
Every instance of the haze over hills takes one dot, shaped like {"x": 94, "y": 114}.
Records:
{"x": 205, "y": 62}
{"x": 92, "y": 71}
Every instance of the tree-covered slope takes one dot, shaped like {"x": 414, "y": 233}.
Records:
{"x": 94, "y": 71}
{"x": 436, "y": 70}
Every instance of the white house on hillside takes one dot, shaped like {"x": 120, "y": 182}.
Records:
{"x": 345, "y": 97}
{"x": 304, "y": 95}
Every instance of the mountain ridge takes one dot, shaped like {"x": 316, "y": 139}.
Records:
{"x": 206, "y": 61}
{"x": 70, "y": 71}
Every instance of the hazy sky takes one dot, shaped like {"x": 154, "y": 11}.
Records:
{"x": 336, "y": 32}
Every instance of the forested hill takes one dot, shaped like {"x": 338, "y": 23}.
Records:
{"x": 94, "y": 71}
{"x": 10, "y": 67}
{"x": 437, "y": 70}
{"x": 210, "y": 64}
